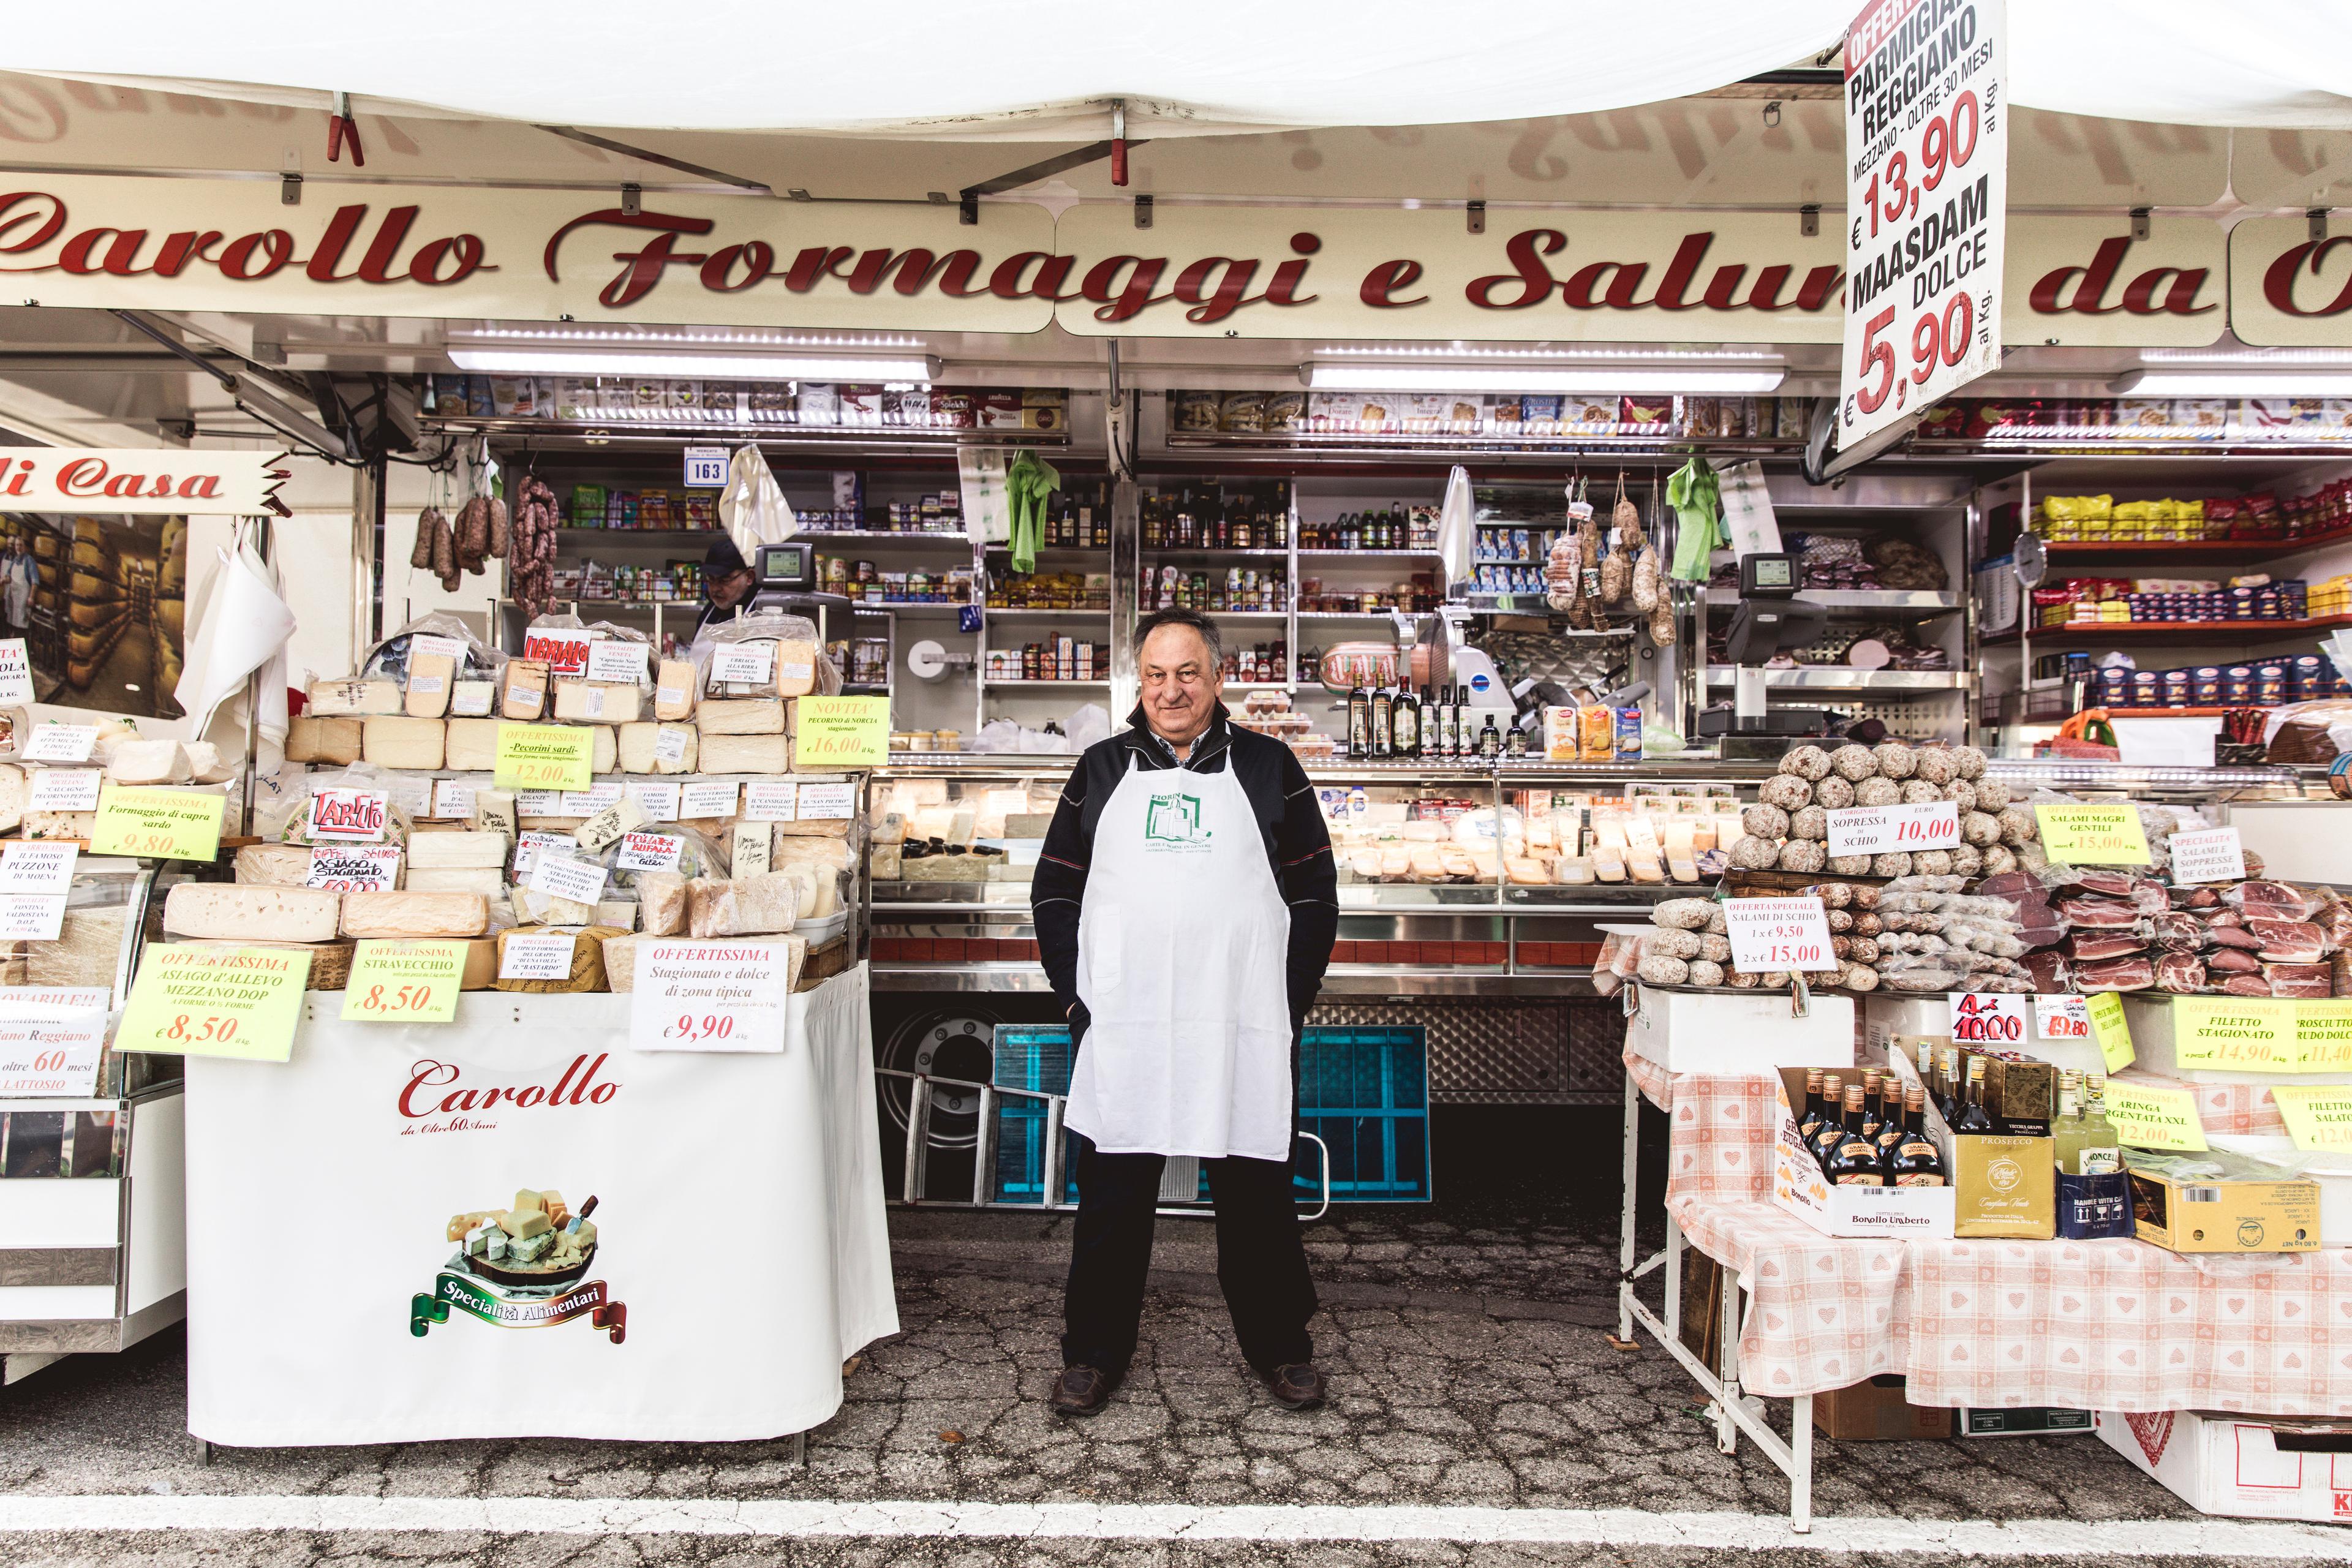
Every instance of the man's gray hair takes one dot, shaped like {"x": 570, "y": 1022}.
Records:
{"x": 1199, "y": 623}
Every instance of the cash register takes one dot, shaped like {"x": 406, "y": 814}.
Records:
{"x": 1770, "y": 620}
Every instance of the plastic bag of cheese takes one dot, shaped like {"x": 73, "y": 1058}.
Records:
{"x": 445, "y": 634}
{"x": 768, "y": 655}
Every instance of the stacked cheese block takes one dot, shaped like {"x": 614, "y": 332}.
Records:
{"x": 167, "y": 612}
{"x": 121, "y": 756}
{"x": 98, "y": 612}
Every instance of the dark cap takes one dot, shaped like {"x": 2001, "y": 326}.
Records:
{"x": 722, "y": 559}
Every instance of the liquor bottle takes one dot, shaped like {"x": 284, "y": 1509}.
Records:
{"x": 1974, "y": 1117}
{"x": 1810, "y": 1121}
{"x": 2066, "y": 1133}
{"x": 1853, "y": 1159}
{"x": 2102, "y": 1152}
{"x": 1827, "y": 1130}
{"x": 1383, "y": 722}
{"x": 1359, "y": 721}
{"x": 1457, "y": 726}
{"x": 1490, "y": 739}
{"x": 1914, "y": 1161}
{"x": 1517, "y": 741}
{"x": 1873, "y": 1109}
{"x": 1947, "y": 1087}
{"x": 1408, "y": 722}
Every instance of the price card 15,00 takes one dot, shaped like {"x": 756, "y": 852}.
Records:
{"x": 1778, "y": 933}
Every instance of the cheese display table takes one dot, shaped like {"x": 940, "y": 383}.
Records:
{"x": 737, "y": 1255}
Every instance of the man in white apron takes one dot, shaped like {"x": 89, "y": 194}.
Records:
{"x": 1185, "y": 903}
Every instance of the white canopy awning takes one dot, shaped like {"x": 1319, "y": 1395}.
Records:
{"x": 1050, "y": 70}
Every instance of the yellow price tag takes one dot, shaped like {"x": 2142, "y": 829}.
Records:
{"x": 2110, "y": 1028}
{"x": 840, "y": 732}
{"x": 240, "y": 1002}
{"x": 2241, "y": 1034}
{"x": 160, "y": 824}
{"x": 403, "y": 983}
{"x": 2323, "y": 1036}
{"x": 2093, "y": 835}
{"x": 2317, "y": 1116}
{"x": 2149, "y": 1118}
{"x": 545, "y": 756}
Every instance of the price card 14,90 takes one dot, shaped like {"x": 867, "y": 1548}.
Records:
{"x": 1778, "y": 933}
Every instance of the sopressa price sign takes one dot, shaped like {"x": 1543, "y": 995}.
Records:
{"x": 1926, "y": 152}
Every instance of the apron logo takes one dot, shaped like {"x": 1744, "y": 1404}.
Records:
{"x": 1172, "y": 825}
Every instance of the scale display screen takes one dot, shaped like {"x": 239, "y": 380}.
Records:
{"x": 1762, "y": 574}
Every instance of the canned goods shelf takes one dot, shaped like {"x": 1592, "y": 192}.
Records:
{"x": 2175, "y": 631}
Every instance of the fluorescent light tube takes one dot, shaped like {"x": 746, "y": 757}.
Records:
{"x": 1632, "y": 378}
{"x": 2241, "y": 384}
{"x": 680, "y": 367}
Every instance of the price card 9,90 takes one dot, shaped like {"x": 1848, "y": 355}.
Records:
{"x": 1778, "y": 933}
{"x": 709, "y": 996}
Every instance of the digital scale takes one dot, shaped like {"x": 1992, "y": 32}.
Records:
{"x": 783, "y": 577}
{"x": 1770, "y": 620}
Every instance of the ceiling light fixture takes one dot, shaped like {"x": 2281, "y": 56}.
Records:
{"x": 1626, "y": 378}
{"x": 2234, "y": 384}
{"x": 1551, "y": 356}
{"x": 681, "y": 367}
{"x": 721, "y": 338}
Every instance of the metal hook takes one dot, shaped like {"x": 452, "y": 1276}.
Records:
{"x": 1801, "y": 995}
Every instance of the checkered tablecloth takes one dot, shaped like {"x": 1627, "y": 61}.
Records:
{"x": 2100, "y": 1325}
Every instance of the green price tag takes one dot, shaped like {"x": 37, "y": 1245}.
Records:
{"x": 2093, "y": 835}
{"x": 240, "y": 1002}
{"x": 2239, "y": 1034}
{"x": 2317, "y": 1116}
{"x": 840, "y": 732}
{"x": 545, "y": 756}
{"x": 161, "y": 824}
{"x": 2147, "y": 1117}
{"x": 403, "y": 983}
{"x": 2108, "y": 1027}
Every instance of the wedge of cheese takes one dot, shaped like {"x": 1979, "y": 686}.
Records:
{"x": 430, "y": 677}
{"x": 618, "y": 913}
{"x": 489, "y": 881}
{"x": 14, "y": 790}
{"x": 747, "y": 906}
{"x": 54, "y": 824}
{"x": 252, "y": 914}
{"x": 532, "y": 907}
{"x": 205, "y": 762}
{"x": 597, "y": 703}
{"x": 523, "y": 692}
{"x": 795, "y": 668}
{"x": 338, "y": 699}
{"x": 587, "y": 961}
{"x": 404, "y": 742}
{"x": 674, "y": 688}
{"x": 150, "y": 762}
{"x": 310, "y": 740}
{"x": 472, "y": 699}
{"x": 746, "y": 754}
{"x": 661, "y": 902}
{"x": 641, "y": 747}
{"x": 482, "y": 964}
{"x": 462, "y": 850}
{"x": 415, "y": 914}
{"x": 740, "y": 716}
{"x": 273, "y": 865}
{"x": 472, "y": 746}
{"x": 607, "y": 755}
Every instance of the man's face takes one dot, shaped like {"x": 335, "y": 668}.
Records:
{"x": 1181, "y": 683}
{"x": 726, "y": 592}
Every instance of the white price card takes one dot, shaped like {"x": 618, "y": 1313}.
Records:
{"x": 588, "y": 802}
{"x": 540, "y": 803}
{"x": 566, "y": 877}
{"x": 699, "y": 801}
{"x": 742, "y": 663}
{"x": 527, "y": 848}
{"x": 669, "y": 744}
{"x": 537, "y": 957}
{"x": 2062, "y": 1017}
{"x": 26, "y": 917}
{"x": 2208, "y": 855}
{"x": 354, "y": 867}
{"x": 65, "y": 789}
{"x": 770, "y": 800}
{"x": 425, "y": 685}
{"x": 649, "y": 852}
{"x": 616, "y": 660}
{"x": 28, "y": 867}
{"x": 427, "y": 643}
{"x": 1778, "y": 933}
{"x": 1886, "y": 829}
{"x": 828, "y": 802}
{"x": 352, "y": 815}
{"x": 452, "y": 798}
{"x": 706, "y": 467}
{"x": 60, "y": 742}
{"x": 658, "y": 801}
{"x": 709, "y": 996}
{"x": 15, "y": 673}
{"x": 51, "y": 1040}
{"x": 1987, "y": 1018}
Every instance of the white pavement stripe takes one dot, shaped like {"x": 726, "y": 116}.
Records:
{"x": 112, "y": 1514}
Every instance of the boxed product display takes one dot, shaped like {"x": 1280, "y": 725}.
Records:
{"x": 2247, "y": 1467}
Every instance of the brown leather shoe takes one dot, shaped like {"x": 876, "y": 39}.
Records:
{"x": 1297, "y": 1386}
{"x": 1081, "y": 1391}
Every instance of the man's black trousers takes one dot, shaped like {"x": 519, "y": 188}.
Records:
{"x": 1261, "y": 1261}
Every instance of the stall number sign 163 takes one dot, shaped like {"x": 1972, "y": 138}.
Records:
{"x": 706, "y": 467}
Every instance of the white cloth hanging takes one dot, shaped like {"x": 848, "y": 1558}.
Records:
{"x": 753, "y": 506}
{"x": 1455, "y": 535}
{"x": 239, "y": 626}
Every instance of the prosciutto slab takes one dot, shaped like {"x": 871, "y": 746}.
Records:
{"x": 2289, "y": 941}
{"x": 2099, "y": 914}
{"x": 2180, "y": 972}
{"x": 2299, "y": 979}
{"x": 2137, "y": 973}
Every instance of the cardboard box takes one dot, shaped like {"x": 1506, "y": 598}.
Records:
{"x": 1877, "y": 1412}
{"x": 2248, "y": 1467}
{"x": 1741, "y": 1032}
{"x": 2025, "y": 1421}
{"x": 2005, "y": 1186}
{"x": 1798, "y": 1187}
{"x": 2179, "y": 1204}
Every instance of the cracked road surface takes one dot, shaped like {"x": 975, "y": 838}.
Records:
{"x": 1479, "y": 1414}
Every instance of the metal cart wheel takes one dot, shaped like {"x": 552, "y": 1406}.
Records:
{"x": 955, "y": 1042}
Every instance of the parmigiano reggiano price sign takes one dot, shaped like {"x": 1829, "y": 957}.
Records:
{"x": 544, "y": 756}
{"x": 239, "y": 1002}
{"x": 841, "y": 732}
{"x": 160, "y": 823}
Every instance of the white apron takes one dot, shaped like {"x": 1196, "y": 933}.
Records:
{"x": 1181, "y": 950}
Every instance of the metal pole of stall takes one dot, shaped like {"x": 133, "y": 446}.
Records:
{"x": 264, "y": 545}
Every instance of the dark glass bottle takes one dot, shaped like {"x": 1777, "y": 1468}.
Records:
{"x": 1826, "y": 1130}
{"x": 1359, "y": 723}
{"x": 1873, "y": 1109}
{"x": 1408, "y": 722}
{"x": 1490, "y": 739}
{"x": 1810, "y": 1121}
{"x": 1383, "y": 722}
{"x": 1854, "y": 1159}
{"x": 1974, "y": 1117}
{"x": 1914, "y": 1160}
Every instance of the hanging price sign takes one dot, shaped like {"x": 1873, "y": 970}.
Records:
{"x": 2111, "y": 1030}
{"x": 60, "y": 742}
{"x": 1778, "y": 933}
{"x": 163, "y": 823}
{"x": 2317, "y": 1117}
{"x": 2147, "y": 1117}
{"x": 1988, "y": 1019}
{"x": 51, "y": 1040}
{"x": 353, "y": 867}
{"x": 2208, "y": 855}
{"x": 65, "y": 789}
{"x": 1885, "y": 829}
{"x": 2244, "y": 1034}
{"x": 2062, "y": 1017}
{"x": 544, "y": 756}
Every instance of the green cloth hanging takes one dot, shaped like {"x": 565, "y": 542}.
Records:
{"x": 1696, "y": 495}
{"x": 1027, "y": 483}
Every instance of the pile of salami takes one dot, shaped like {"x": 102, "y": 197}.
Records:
{"x": 1788, "y": 828}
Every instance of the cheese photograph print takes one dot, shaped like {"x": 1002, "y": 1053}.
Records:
{"x": 101, "y": 602}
